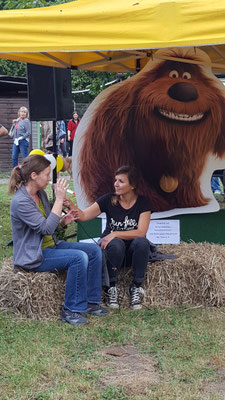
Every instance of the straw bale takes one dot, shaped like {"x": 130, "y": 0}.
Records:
{"x": 30, "y": 294}
{"x": 195, "y": 278}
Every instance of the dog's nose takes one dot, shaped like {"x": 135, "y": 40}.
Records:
{"x": 183, "y": 91}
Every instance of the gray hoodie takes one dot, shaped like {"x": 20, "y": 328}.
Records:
{"x": 29, "y": 227}
{"x": 23, "y": 129}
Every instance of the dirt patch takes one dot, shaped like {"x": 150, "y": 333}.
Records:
{"x": 125, "y": 366}
{"x": 216, "y": 387}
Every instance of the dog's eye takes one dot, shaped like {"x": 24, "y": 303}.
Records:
{"x": 173, "y": 74}
{"x": 186, "y": 75}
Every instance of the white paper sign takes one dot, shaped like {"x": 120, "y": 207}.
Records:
{"x": 164, "y": 231}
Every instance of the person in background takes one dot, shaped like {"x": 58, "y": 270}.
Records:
{"x": 124, "y": 239}
{"x": 3, "y": 130}
{"x": 36, "y": 249}
{"x": 21, "y": 134}
{"x": 216, "y": 185}
{"x": 72, "y": 127}
{"x": 47, "y": 137}
{"x": 61, "y": 135}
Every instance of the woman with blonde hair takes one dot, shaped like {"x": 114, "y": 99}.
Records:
{"x": 36, "y": 248}
{"x": 21, "y": 134}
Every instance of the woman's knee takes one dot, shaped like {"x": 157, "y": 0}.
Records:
{"x": 141, "y": 243}
{"x": 116, "y": 245}
{"x": 79, "y": 258}
{"x": 96, "y": 250}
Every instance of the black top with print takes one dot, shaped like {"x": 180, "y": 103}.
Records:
{"x": 120, "y": 219}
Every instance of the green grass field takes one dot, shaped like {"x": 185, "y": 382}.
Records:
{"x": 50, "y": 360}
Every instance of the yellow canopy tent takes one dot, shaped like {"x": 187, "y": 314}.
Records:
{"x": 118, "y": 35}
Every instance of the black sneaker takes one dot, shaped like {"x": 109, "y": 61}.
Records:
{"x": 73, "y": 318}
{"x": 111, "y": 297}
{"x": 136, "y": 296}
{"x": 96, "y": 309}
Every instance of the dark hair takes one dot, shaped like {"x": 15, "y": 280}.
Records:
{"x": 75, "y": 112}
{"x": 33, "y": 163}
{"x": 132, "y": 175}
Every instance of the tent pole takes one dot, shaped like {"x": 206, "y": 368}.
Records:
{"x": 54, "y": 177}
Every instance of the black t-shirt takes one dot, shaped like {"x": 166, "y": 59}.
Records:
{"x": 120, "y": 219}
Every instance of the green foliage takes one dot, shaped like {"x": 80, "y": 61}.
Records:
{"x": 92, "y": 80}
{"x": 22, "y": 4}
{"x": 12, "y": 68}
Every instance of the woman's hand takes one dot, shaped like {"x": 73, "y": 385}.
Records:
{"x": 77, "y": 213}
{"x": 61, "y": 187}
{"x": 68, "y": 203}
{"x": 67, "y": 219}
{"x": 107, "y": 239}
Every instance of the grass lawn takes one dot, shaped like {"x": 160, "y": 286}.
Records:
{"x": 50, "y": 360}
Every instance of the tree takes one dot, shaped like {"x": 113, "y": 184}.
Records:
{"x": 22, "y": 4}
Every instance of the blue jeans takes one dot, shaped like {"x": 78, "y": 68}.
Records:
{"x": 128, "y": 252}
{"x": 22, "y": 148}
{"x": 83, "y": 262}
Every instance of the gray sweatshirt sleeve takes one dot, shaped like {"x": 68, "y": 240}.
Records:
{"x": 28, "y": 212}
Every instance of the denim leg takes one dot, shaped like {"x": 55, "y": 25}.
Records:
{"x": 71, "y": 147}
{"x": 94, "y": 274}
{"x": 76, "y": 264}
{"x": 15, "y": 155}
{"x": 138, "y": 253}
{"x": 115, "y": 252}
{"x": 24, "y": 147}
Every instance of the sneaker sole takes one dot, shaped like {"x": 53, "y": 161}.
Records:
{"x": 97, "y": 314}
{"x": 75, "y": 323}
{"x": 136, "y": 307}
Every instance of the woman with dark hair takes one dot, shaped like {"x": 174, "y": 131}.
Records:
{"x": 72, "y": 127}
{"x": 35, "y": 247}
{"x": 21, "y": 134}
{"x": 128, "y": 218}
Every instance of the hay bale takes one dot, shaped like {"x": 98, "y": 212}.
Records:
{"x": 30, "y": 294}
{"x": 196, "y": 277}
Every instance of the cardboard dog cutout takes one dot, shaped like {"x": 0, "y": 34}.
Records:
{"x": 168, "y": 121}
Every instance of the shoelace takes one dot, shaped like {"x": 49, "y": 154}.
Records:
{"x": 75, "y": 314}
{"x": 113, "y": 294}
{"x": 136, "y": 293}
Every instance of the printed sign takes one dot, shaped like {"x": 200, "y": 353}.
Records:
{"x": 164, "y": 231}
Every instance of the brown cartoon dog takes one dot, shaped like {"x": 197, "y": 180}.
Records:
{"x": 166, "y": 120}
{"x": 67, "y": 166}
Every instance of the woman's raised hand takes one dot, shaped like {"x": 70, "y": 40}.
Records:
{"x": 61, "y": 187}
